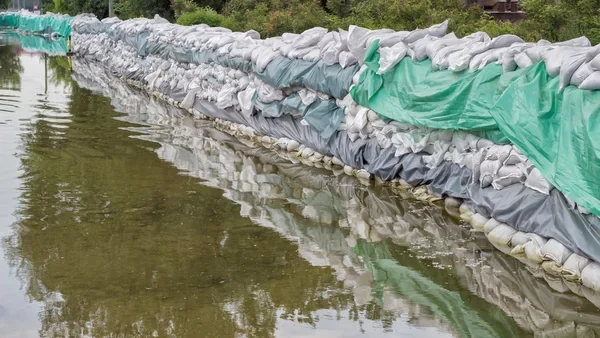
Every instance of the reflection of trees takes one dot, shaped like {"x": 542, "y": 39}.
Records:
{"x": 116, "y": 242}
{"x": 10, "y": 68}
{"x": 60, "y": 71}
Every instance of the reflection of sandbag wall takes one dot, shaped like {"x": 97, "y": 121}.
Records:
{"x": 257, "y": 185}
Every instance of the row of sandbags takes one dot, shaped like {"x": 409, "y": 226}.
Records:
{"x": 492, "y": 164}
{"x": 575, "y": 61}
{"x": 550, "y": 254}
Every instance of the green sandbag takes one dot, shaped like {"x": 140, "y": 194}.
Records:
{"x": 556, "y": 131}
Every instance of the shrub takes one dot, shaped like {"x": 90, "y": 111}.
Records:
{"x": 184, "y": 6}
{"x": 204, "y": 15}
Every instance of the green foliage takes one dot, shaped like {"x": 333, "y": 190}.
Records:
{"x": 204, "y": 15}
{"x": 184, "y": 6}
{"x": 546, "y": 19}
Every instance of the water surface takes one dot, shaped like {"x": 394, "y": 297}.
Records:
{"x": 123, "y": 217}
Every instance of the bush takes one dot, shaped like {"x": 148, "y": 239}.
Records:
{"x": 205, "y": 15}
{"x": 184, "y": 6}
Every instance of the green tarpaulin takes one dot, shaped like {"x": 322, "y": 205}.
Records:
{"x": 37, "y": 23}
{"x": 558, "y": 132}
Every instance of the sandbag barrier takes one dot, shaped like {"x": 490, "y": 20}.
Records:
{"x": 294, "y": 89}
{"x": 260, "y": 180}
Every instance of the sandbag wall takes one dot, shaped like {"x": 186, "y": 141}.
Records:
{"x": 325, "y": 96}
{"x": 335, "y": 223}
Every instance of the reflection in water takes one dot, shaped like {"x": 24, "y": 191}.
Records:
{"x": 11, "y": 68}
{"x": 117, "y": 241}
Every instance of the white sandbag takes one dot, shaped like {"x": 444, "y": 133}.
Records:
{"x": 434, "y": 47}
{"x": 490, "y": 225}
{"x": 508, "y": 58}
{"x": 313, "y": 55}
{"x": 337, "y": 161}
{"x": 309, "y": 37}
{"x": 590, "y": 276}
{"x": 437, "y": 30}
{"x": 592, "y": 82}
{"x": 477, "y": 59}
{"x": 495, "y": 55}
{"x": 533, "y": 248}
{"x": 514, "y": 157}
{"x": 573, "y": 266}
{"x": 418, "y": 49}
{"x": 391, "y": 56}
{"x": 263, "y": 57}
{"x": 568, "y": 67}
{"x": 581, "y": 74}
{"x": 536, "y": 181}
{"x": 346, "y": 59}
{"x": 362, "y": 174}
{"x": 190, "y": 98}
{"x": 519, "y": 239}
{"x": 501, "y": 41}
{"x": 522, "y": 60}
{"x": 554, "y": 58}
{"x": 555, "y": 251}
{"x": 307, "y": 152}
{"x": 581, "y": 41}
{"x": 460, "y": 60}
{"x": 478, "y": 221}
{"x": 267, "y": 93}
{"x": 498, "y": 152}
{"x": 301, "y": 52}
{"x": 246, "y": 100}
{"x": 501, "y": 235}
{"x": 487, "y": 172}
{"x": 327, "y": 38}
{"x": 592, "y": 53}
{"x": 507, "y": 175}
{"x": 292, "y": 145}
{"x": 357, "y": 40}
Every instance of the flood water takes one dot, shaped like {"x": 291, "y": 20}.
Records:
{"x": 123, "y": 217}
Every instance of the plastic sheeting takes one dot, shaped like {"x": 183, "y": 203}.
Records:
{"x": 52, "y": 23}
{"x": 525, "y": 106}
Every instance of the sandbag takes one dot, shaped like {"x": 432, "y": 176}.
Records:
{"x": 309, "y": 37}
{"x": 592, "y": 82}
{"x": 501, "y": 235}
{"x": 573, "y": 266}
{"x": 507, "y": 175}
{"x": 568, "y": 67}
{"x": 581, "y": 74}
{"x": 590, "y": 276}
{"x": 536, "y": 181}
{"x": 490, "y": 225}
{"x": 533, "y": 248}
{"x": 555, "y": 251}
{"x": 555, "y": 57}
{"x": 391, "y": 56}
{"x": 478, "y": 221}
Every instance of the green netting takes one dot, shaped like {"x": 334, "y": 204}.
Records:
{"x": 556, "y": 131}
{"x": 37, "y": 24}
